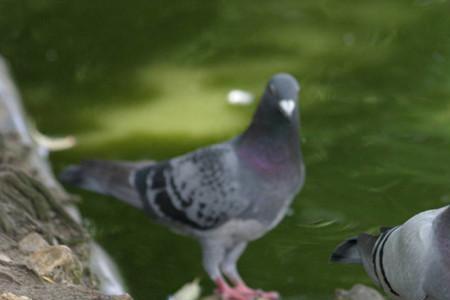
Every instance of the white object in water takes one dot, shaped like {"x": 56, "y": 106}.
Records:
{"x": 189, "y": 291}
{"x": 102, "y": 265}
{"x": 240, "y": 97}
{"x": 12, "y": 110}
{"x": 53, "y": 144}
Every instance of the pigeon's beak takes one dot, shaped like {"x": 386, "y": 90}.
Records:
{"x": 287, "y": 107}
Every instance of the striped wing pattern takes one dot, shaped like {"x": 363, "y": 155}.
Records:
{"x": 199, "y": 190}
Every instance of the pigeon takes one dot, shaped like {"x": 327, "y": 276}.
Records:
{"x": 410, "y": 261}
{"x": 223, "y": 195}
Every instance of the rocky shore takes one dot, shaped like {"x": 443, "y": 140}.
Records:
{"x": 44, "y": 251}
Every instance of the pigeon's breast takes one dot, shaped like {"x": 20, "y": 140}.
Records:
{"x": 271, "y": 194}
{"x": 268, "y": 157}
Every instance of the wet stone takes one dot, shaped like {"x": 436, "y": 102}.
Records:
{"x": 48, "y": 259}
{"x": 123, "y": 297}
{"x": 5, "y": 258}
{"x": 358, "y": 292}
{"x": 11, "y": 296}
{"x": 32, "y": 242}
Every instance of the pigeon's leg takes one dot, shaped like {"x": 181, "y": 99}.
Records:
{"x": 228, "y": 265}
{"x": 229, "y": 268}
{"x": 213, "y": 254}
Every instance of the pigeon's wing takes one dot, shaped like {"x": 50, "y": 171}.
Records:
{"x": 199, "y": 190}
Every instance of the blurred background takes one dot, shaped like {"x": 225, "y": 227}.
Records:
{"x": 149, "y": 79}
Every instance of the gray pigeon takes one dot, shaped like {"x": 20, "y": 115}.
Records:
{"x": 224, "y": 195}
{"x": 410, "y": 261}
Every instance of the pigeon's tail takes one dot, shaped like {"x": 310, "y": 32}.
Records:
{"x": 105, "y": 177}
{"x": 347, "y": 252}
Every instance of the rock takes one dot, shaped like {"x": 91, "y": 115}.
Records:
{"x": 5, "y": 258}
{"x": 123, "y": 297}
{"x": 215, "y": 297}
{"x": 32, "y": 242}
{"x": 192, "y": 291}
{"x": 46, "y": 260}
{"x": 358, "y": 292}
{"x": 11, "y": 296}
{"x": 32, "y": 200}
{"x": 212, "y": 297}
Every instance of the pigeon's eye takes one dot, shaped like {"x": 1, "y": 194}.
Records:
{"x": 272, "y": 90}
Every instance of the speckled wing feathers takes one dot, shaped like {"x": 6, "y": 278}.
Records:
{"x": 198, "y": 190}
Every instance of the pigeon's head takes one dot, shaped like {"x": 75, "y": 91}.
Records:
{"x": 281, "y": 95}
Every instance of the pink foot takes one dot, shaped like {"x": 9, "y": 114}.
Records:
{"x": 254, "y": 294}
{"x": 228, "y": 293}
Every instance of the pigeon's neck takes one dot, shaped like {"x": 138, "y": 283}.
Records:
{"x": 270, "y": 147}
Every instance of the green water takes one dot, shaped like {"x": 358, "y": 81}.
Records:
{"x": 148, "y": 79}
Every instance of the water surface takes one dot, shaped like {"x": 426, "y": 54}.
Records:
{"x": 148, "y": 79}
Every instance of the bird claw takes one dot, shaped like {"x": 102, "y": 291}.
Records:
{"x": 233, "y": 295}
{"x": 270, "y": 295}
{"x": 243, "y": 292}
{"x": 256, "y": 294}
